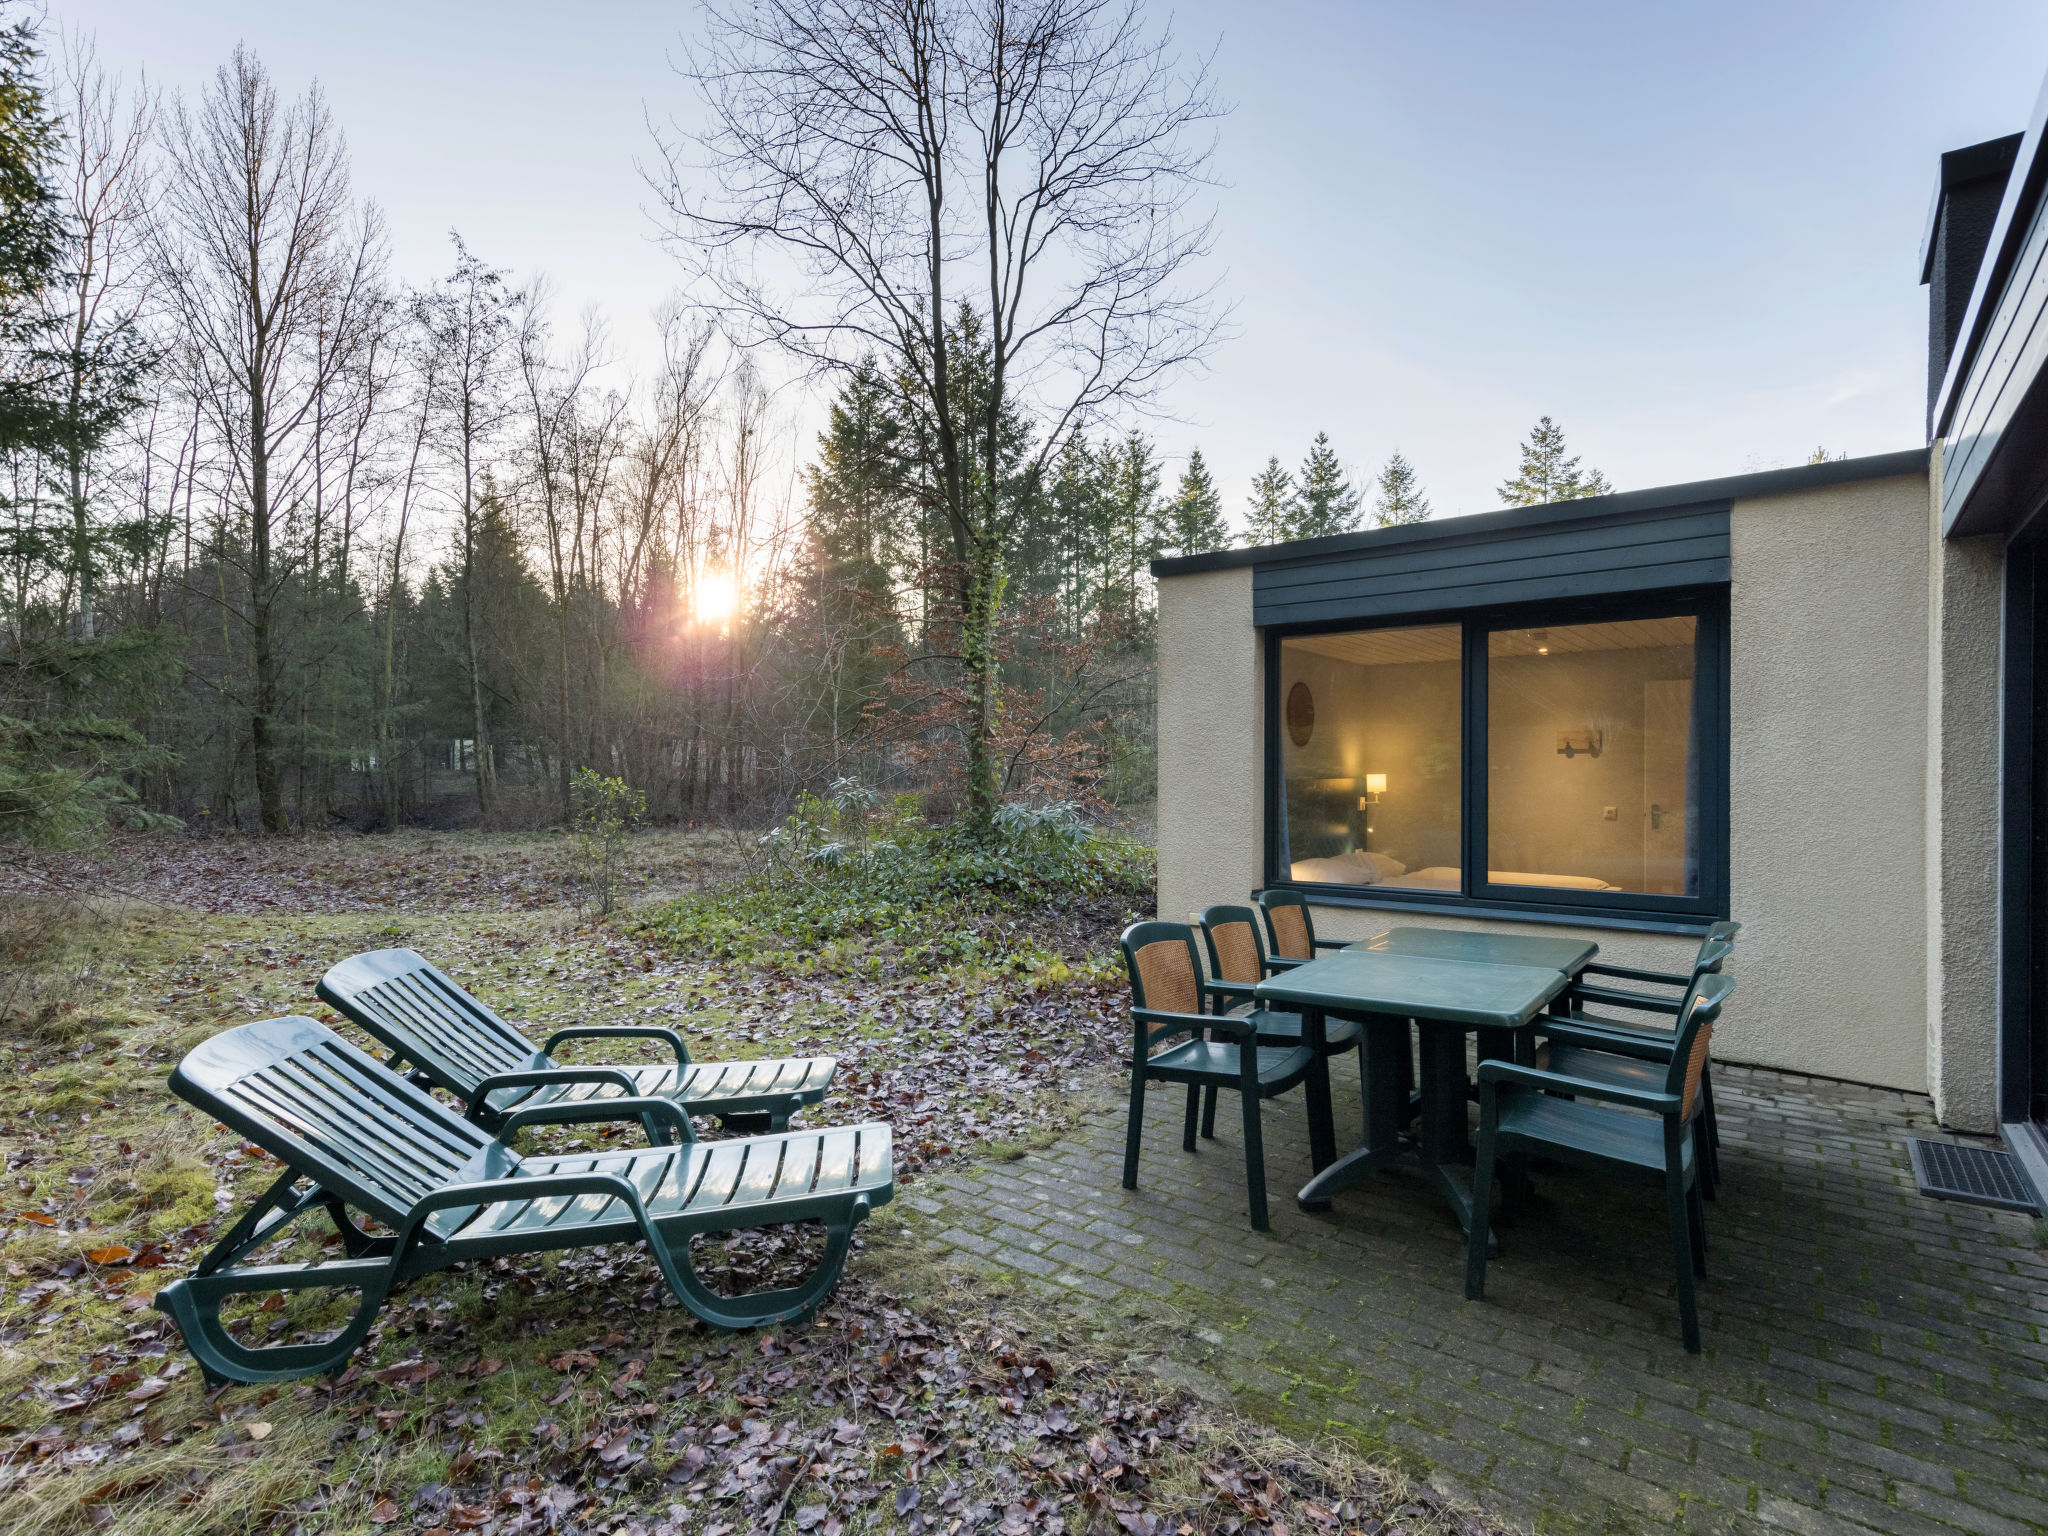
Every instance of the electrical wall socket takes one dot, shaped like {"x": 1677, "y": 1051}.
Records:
{"x": 1609, "y": 814}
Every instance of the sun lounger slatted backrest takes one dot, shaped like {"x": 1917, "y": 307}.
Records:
{"x": 431, "y": 1022}
{"x": 318, "y": 1103}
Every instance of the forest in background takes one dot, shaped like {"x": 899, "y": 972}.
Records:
{"x": 288, "y": 541}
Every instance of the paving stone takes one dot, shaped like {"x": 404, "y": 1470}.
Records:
{"x": 1874, "y": 1360}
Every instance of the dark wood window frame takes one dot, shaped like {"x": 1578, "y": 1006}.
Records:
{"x": 1479, "y": 897}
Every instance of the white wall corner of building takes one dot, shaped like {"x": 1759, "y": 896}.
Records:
{"x": 1965, "y": 588}
{"x": 1211, "y": 683}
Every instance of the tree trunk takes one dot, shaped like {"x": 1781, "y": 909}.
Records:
{"x": 262, "y": 746}
{"x": 981, "y": 600}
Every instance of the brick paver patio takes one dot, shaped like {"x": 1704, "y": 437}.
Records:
{"x": 1874, "y": 1359}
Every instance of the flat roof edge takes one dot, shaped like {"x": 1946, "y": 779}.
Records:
{"x": 1479, "y": 526}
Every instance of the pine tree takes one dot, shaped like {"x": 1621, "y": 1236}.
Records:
{"x": 1547, "y": 474}
{"x": 1328, "y": 503}
{"x": 1193, "y": 523}
{"x": 1134, "y": 512}
{"x": 1274, "y": 508}
{"x": 1399, "y": 499}
{"x": 857, "y": 495}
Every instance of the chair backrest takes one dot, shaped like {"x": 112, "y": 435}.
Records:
{"x": 1165, "y": 975}
{"x": 333, "y": 1112}
{"x": 1289, "y": 928}
{"x": 1704, "y": 1000}
{"x": 407, "y": 1002}
{"x": 1719, "y": 939}
{"x": 1237, "y": 952}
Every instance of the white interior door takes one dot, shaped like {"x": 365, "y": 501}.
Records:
{"x": 1667, "y": 745}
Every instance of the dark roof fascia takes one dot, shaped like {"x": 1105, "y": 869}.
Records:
{"x": 1959, "y": 167}
{"x": 2008, "y": 234}
{"x": 1480, "y": 527}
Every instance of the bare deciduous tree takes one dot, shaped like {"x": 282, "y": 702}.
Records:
{"x": 271, "y": 271}
{"x": 895, "y": 158}
{"x": 468, "y": 318}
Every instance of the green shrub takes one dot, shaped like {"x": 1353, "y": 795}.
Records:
{"x": 851, "y": 884}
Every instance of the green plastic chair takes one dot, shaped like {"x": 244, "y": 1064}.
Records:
{"x": 1237, "y": 963}
{"x": 1525, "y": 1110}
{"x": 1576, "y": 1030}
{"x": 451, "y": 1040}
{"x": 360, "y": 1138}
{"x": 1290, "y": 929}
{"x": 1220, "y": 1051}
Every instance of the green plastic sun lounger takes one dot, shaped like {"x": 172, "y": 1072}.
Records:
{"x": 356, "y": 1138}
{"x": 451, "y": 1039}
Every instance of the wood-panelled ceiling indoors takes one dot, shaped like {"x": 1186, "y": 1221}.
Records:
{"x": 1441, "y": 642}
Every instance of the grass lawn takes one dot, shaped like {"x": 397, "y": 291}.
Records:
{"x": 570, "y": 1392}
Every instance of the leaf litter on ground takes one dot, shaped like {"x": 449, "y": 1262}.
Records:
{"x": 568, "y": 1392}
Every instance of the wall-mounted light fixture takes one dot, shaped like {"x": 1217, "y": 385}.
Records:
{"x": 1575, "y": 743}
{"x": 1375, "y": 786}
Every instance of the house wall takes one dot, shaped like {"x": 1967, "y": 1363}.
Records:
{"x": 1830, "y": 633}
{"x": 1827, "y": 770}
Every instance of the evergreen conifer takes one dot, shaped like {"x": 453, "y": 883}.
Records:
{"x": 1399, "y": 499}
{"x": 1547, "y": 474}
{"x": 1274, "y": 508}
{"x": 1193, "y": 523}
{"x": 1327, "y": 501}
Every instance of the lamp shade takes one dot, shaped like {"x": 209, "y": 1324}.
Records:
{"x": 1375, "y": 783}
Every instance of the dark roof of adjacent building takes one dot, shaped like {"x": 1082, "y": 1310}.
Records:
{"x": 1512, "y": 522}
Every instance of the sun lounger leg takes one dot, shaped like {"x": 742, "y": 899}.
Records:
{"x": 194, "y": 1305}
{"x": 765, "y": 1308}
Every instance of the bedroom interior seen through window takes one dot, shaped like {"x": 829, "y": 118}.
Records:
{"x": 1592, "y": 769}
{"x": 1370, "y": 727}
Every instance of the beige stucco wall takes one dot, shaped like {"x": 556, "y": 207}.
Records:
{"x": 1827, "y": 768}
{"x": 1830, "y": 634}
{"x": 1211, "y": 763}
{"x": 1965, "y": 599}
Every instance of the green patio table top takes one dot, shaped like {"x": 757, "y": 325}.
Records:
{"x": 1560, "y": 954}
{"x": 1384, "y": 992}
{"x": 1473, "y": 993}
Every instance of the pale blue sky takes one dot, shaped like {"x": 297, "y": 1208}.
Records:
{"x": 1688, "y": 232}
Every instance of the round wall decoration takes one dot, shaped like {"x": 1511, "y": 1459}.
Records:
{"x": 1301, "y": 714}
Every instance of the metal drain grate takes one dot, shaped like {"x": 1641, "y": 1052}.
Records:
{"x": 1979, "y": 1175}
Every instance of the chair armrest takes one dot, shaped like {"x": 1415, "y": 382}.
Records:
{"x": 1334, "y": 943}
{"x": 544, "y": 1076}
{"x": 1217, "y": 1023}
{"x": 1630, "y": 973}
{"x": 593, "y": 1111}
{"x": 1243, "y": 991}
{"x": 1616, "y": 1041}
{"x": 620, "y": 1032}
{"x": 1275, "y": 964}
{"x": 1617, "y": 997}
{"x": 1494, "y": 1073}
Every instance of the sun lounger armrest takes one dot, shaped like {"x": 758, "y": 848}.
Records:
{"x": 620, "y": 1032}
{"x": 490, "y": 1085}
{"x": 1494, "y": 1073}
{"x": 589, "y": 1111}
{"x": 540, "y": 1187}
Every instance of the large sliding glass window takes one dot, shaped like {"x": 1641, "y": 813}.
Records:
{"x": 1370, "y": 742}
{"x": 1571, "y": 758}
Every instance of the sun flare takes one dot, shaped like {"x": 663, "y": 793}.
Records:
{"x": 715, "y": 599}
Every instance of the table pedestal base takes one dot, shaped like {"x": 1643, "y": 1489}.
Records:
{"x": 1443, "y": 1146}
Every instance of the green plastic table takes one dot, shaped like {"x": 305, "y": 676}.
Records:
{"x": 1383, "y": 991}
{"x": 1570, "y": 956}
